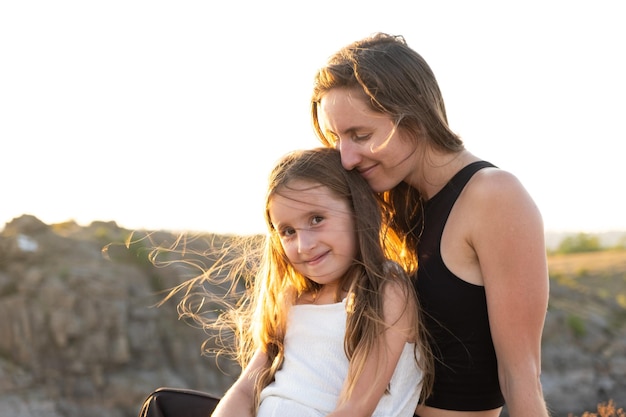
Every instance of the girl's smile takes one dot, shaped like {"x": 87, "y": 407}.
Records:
{"x": 316, "y": 230}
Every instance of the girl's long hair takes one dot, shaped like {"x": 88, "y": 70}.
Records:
{"x": 260, "y": 285}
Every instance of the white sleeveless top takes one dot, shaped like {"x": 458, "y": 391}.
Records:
{"x": 315, "y": 367}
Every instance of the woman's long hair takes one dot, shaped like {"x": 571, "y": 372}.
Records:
{"x": 396, "y": 81}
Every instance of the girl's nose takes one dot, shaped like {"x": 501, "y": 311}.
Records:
{"x": 349, "y": 156}
{"x": 306, "y": 241}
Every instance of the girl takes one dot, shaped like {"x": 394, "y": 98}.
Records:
{"x": 482, "y": 278}
{"x": 330, "y": 325}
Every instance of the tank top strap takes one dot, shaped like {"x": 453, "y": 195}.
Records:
{"x": 440, "y": 205}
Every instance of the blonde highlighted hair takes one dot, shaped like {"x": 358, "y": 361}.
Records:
{"x": 263, "y": 285}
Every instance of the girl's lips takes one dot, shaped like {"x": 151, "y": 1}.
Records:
{"x": 317, "y": 259}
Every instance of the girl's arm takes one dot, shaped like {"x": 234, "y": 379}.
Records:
{"x": 399, "y": 312}
{"x": 509, "y": 242}
{"x": 239, "y": 399}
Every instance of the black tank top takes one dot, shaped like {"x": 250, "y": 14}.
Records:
{"x": 466, "y": 369}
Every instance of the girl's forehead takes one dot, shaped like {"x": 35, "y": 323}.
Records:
{"x": 303, "y": 191}
{"x": 304, "y": 196}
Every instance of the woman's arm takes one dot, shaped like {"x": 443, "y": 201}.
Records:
{"x": 399, "y": 313}
{"x": 508, "y": 238}
{"x": 239, "y": 399}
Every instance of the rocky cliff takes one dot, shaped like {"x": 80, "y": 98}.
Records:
{"x": 80, "y": 333}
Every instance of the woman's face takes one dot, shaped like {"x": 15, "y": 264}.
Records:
{"x": 367, "y": 140}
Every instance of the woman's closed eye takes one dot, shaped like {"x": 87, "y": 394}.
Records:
{"x": 360, "y": 138}
{"x": 334, "y": 140}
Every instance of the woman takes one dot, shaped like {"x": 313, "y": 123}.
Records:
{"x": 482, "y": 278}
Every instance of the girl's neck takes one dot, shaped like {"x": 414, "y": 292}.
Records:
{"x": 326, "y": 294}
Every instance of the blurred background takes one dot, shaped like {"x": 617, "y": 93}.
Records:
{"x": 81, "y": 332}
{"x": 128, "y": 119}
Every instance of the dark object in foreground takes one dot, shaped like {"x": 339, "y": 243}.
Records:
{"x": 175, "y": 402}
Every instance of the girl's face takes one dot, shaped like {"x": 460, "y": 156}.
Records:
{"x": 367, "y": 140}
{"x": 316, "y": 230}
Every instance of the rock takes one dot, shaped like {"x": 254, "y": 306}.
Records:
{"x": 80, "y": 334}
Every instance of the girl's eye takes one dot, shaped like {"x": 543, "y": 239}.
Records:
{"x": 316, "y": 220}
{"x": 287, "y": 232}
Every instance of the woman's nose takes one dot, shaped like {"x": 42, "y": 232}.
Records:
{"x": 349, "y": 156}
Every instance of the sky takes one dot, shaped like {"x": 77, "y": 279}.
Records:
{"x": 169, "y": 115}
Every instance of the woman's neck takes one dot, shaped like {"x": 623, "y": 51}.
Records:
{"x": 437, "y": 168}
